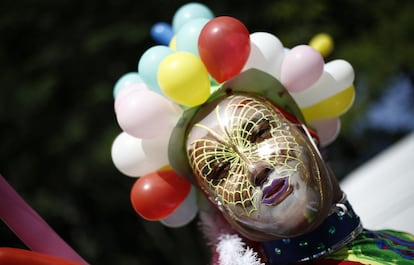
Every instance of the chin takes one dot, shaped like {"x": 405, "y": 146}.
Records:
{"x": 278, "y": 229}
{"x": 293, "y": 217}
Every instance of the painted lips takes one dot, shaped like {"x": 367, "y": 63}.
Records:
{"x": 277, "y": 191}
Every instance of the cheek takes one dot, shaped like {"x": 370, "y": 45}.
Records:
{"x": 230, "y": 192}
{"x": 309, "y": 171}
{"x": 237, "y": 198}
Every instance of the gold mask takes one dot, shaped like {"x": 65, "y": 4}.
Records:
{"x": 261, "y": 170}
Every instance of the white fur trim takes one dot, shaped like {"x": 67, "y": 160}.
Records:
{"x": 233, "y": 251}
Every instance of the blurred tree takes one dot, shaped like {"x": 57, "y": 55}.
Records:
{"x": 60, "y": 60}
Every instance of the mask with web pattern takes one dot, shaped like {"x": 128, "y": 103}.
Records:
{"x": 250, "y": 160}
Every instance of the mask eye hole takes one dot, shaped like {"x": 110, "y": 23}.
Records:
{"x": 215, "y": 170}
{"x": 261, "y": 131}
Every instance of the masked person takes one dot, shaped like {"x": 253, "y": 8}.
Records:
{"x": 250, "y": 148}
{"x": 259, "y": 165}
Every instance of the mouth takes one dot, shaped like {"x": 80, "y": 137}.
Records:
{"x": 277, "y": 191}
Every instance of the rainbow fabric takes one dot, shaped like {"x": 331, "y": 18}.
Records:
{"x": 375, "y": 248}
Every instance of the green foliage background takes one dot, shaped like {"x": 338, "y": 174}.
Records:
{"x": 59, "y": 61}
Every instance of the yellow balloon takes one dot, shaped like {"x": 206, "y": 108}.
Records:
{"x": 331, "y": 107}
{"x": 183, "y": 77}
{"x": 323, "y": 43}
{"x": 173, "y": 43}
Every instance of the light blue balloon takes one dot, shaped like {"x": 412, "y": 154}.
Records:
{"x": 148, "y": 65}
{"x": 124, "y": 80}
{"x": 162, "y": 33}
{"x": 188, "y": 12}
{"x": 187, "y": 36}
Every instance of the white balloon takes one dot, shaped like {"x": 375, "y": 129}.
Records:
{"x": 129, "y": 157}
{"x": 185, "y": 213}
{"x": 156, "y": 149}
{"x": 323, "y": 88}
{"x": 337, "y": 76}
{"x": 342, "y": 72}
{"x": 266, "y": 53}
{"x": 256, "y": 59}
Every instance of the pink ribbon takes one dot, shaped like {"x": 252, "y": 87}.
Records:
{"x": 30, "y": 227}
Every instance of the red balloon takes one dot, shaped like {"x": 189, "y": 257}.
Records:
{"x": 224, "y": 46}
{"x": 156, "y": 195}
{"x": 16, "y": 256}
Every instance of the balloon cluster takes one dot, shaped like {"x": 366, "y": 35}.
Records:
{"x": 194, "y": 55}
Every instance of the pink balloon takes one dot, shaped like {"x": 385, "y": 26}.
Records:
{"x": 301, "y": 68}
{"x": 126, "y": 90}
{"x": 327, "y": 129}
{"x": 146, "y": 114}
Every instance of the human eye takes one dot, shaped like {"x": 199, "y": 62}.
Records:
{"x": 261, "y": 131}
{"x": 215, "y": 170}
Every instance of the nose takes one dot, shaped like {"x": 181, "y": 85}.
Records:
{"x": 259, "y": 172}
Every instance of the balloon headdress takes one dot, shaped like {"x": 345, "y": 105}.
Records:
{"x": 198, "y": 59}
